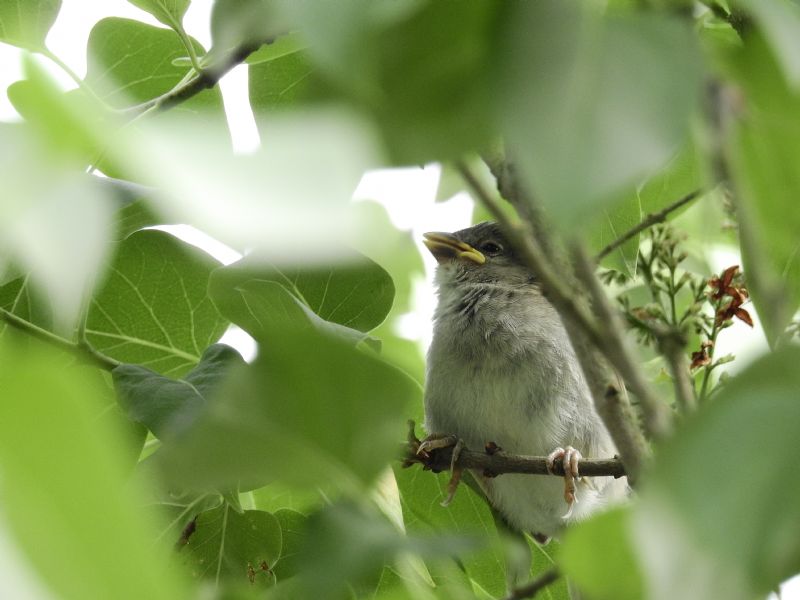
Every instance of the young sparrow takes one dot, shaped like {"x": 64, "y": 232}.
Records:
{"x": 501, "y": 368}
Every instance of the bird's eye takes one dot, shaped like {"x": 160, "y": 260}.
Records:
{"x": 491, "y": 248}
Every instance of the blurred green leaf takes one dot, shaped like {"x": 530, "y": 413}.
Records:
{"x": 729, "y": 528}
{"x": 349, "y": 545}
{"x": 590, "y": 103}
{"x": 130, "y": 62}
{"x": 421, "y": 69}
{"x": 25, "y": 23}
{"x": 780, "y": 23}
{"x": 153, "y": 309}
{"x": 235, "y": 22}
{"x": 309, "y": 411}
{"x": 764, "y": 142}
{"x": 469, "y": 514}
{"x": 356, "y": 293}
{"x": 169, "y": 406}
{"x": 232, "y": 546}
{"x": 591, "y": 570}
{"x": 64, "y": 485}
{"x": 169, "y": 12}
{"x": 277, "y": 496}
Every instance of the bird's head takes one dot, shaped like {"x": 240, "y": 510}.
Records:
{"x": 477, "y": 255}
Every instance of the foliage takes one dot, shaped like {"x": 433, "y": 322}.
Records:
{"x": 140, "y": 457}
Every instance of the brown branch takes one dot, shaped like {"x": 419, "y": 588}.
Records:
{"x": 647, "y": 223}
{"x": 530, "y": 589}
{"x": 498, "y": 463}
{"x": 205, "y": 79}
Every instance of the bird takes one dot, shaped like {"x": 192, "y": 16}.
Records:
{"x": 501, "y": 368}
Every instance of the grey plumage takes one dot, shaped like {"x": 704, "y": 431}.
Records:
{"x": 501, "y": 368}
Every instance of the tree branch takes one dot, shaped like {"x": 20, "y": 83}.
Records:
{"x": 498, "y": 463}
{"x": 83, "y": 351}
{"x": 205, "y": 79}
{"x": 530, "y": 589}
{"x": 647, "y": 222}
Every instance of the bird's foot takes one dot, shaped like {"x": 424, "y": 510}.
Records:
{"x": 570, "y": 458}
{"x": 436, "y": 441}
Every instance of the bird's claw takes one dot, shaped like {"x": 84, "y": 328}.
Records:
{"x": 570, "y": 459}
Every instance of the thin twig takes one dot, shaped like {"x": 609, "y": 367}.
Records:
{"x": 80, "y": 350}
{"x": 647, "y": 222}
{"x": 672, "y": 345}
{"x": 530, "y": 589}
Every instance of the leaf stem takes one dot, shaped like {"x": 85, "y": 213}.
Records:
{"x": 533, "y": 587}
{"x": 81, "y": 349}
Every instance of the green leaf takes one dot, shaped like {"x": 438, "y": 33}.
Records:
{"x": 226, "y": 545}
{"x": 153, "y": 309}
{"x": 277, "y": 496}
{"x": 780, "y": 22}
{"x": 17, "y": 298}
{"x": 421, "y": 69}
{"x": 589, "y": 569}
{"x": 309, "y": 411}
{"x": 765, "y": 140}
{"x": 169, "y": 12}
{"x": 236, "y": 22}
{"x": 169, "y": 406}
{"x": 65, "y": 489}
{"x": 356, "y": 293}
{"x": 730, "y": 528}
{"x": 293, "y": 528}
{"x": 678, "y": 178}
{"x": 130, "y": 62}
{"x": 290, "y": 43}
{"x": 590, "y": 104}
{"x": 25, "y": 23}
{"x": 286, "y": 81}
{"x": 349, "y": 545}
{"x": 469, "y": 514}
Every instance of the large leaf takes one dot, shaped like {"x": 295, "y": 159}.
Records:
{"x": 130, "y": 62}
{"x": 419, "y": 68}
{"x": 286, "y": 81}
{"x": 590, "y": 569}
{"x": 676, "y": 180}
{"x": 421, "y": 495}
{"x": 310, "y": 410}
{"x": 591, "y": 104}
{"x": 25, "y": 23}
{"x": 226, "y": 545}
{"x": 65, "y": 490}
{"x": 168, "y": 406}
{"x": 153, "y": 309}
{"x": 347, "y": 544}
{"x": 356, "y": 293}
{"x": 293, "y": 529}
{"x": 730, "y": 529}
{"x": 169, "y": 12}
{"x": 237, "y": 22}
{"x": 780, "y": 22}
{"x": 765, "y": 141}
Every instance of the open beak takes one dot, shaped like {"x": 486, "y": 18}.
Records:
{"x": 445, "y": 246}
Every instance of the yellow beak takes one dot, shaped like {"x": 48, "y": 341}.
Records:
{"x": 445, "y": 246}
